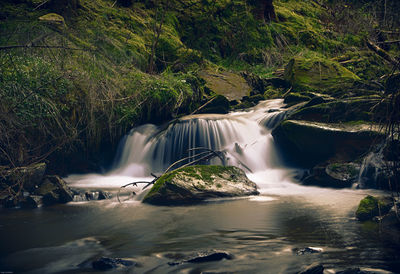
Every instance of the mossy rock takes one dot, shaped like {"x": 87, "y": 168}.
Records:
{"x": 371, "y": 207}
{"x": 295, "y": 97}
{"x": 318, "y": 74}
{"x": 231, "y": 85}
{"x": 306, "y": 143}
{"x": 196, "y": 183}
{"x": 341, "y": 110}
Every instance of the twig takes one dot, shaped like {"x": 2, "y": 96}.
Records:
{"x": 382, "y": 53}
{"x": 389, "y": 42}
{"x": 41, "y": 4}
{"x": 202, "y": 106}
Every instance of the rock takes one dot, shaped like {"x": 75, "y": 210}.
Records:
{"x": 336, "y": 175}
{"x": 219, "y": 105}
{"x": 371, "y": 207}
{"x": 318, "y": 74}
{"x": 89, "y": 196}
{"x": 103, "y": 195}
{"x": 294, "y": 98}
{"x": 210, "y": 257}
{"x": 315, "y": 268}
{"x": 204, "y": 257}
{"x": 307, "y": 144}
{"x": 196, "y": 183}
{"x": 105, "y": 263}
{"x": 31, "y": 201}
{"x": 54, "y": 190}
{"x": 231, "y": 85}
{"x": 307, "y": 250}
{"x": 338, "y": 111}
{"x": 30, "y": 176}
{"x": 355, "y": 270}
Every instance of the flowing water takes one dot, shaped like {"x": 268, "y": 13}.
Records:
{"x": 262, "y": 232}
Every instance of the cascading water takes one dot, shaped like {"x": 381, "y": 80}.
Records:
{"x": 243, "y": 136}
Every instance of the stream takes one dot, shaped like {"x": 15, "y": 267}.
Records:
{"x": 264, "y": 234}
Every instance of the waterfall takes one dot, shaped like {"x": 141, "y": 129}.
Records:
{"x": 244, "y": 137}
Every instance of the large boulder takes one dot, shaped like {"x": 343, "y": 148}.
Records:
{"x": 321, "y": 109}
{"x": 307, "y": 143}
{"x": 318, "y": 74}
{"x": 196, "y": 183}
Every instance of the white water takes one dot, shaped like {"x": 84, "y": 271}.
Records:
{"x": 244, "y": 136}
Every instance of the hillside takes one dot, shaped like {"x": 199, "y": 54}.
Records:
{"x": 77, "y": 75}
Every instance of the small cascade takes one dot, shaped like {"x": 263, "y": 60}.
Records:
{"x": 244, "y": 137}
{"x": 374, "y": 169}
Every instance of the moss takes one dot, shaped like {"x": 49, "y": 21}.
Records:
{"x": 201, "y": 172}
{"x": 371, "y": 206}
{"x": 318, "y": 74}
{"x": 351, "y": 111}
{"x": 295, "y": 97}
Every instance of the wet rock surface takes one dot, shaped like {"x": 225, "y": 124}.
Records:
{"x": 315, "y": 268}
{"x": 28, "y": 187}
{"x": 196, "y": 183}
{"x": 335, "y": 175}
{"x": 105, "y": 263}
{"x": 306, "y": 250}
{"x": 371, "y": 207}
{"x": 307, "y": 143}
{"x": 202, "y": 257}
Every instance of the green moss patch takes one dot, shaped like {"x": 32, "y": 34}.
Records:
{"x": 371, "y": 206}
{"x": 318, "y": 74}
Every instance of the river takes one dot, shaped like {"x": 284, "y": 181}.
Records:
{"x": 264, "y": 234}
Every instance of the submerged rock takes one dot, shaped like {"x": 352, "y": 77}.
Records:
{"x": 204, "y": 257}
{"x": 371, "y": 207}
{"x": 307, "y": 250}
{"x": 196, "y": 183}
{"x": 315, "y": 268}
{"x": 105, "y": 263}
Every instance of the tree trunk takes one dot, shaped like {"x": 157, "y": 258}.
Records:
{"x": 265, "y": 11}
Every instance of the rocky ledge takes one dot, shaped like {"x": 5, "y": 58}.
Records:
{"x": 29, "y": 187}
{"x": 196, "y": 183}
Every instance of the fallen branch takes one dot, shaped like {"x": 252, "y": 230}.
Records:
{"x": 389, "y": 42}
{"x": 202, "y": 106}
{"x": 382, "y": 53}
{"x": 206, "y": 155}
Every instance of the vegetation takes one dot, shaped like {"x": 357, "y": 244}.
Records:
{"x": 371, "y": 206}
{"x": 77, "y": 75}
